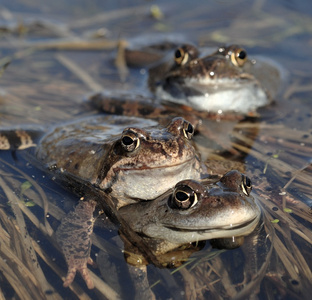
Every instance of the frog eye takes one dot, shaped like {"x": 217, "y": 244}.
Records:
{"x": 188, "y": 130}
{"x": 130, "y": 141}
{"x": 238, "y": 57}
{"x": 181, "y": 57}
{"x": 246, "y": 185}
{"x": 184, "y": 197}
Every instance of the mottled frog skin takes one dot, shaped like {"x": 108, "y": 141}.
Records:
{"x": 197, "y": 211}
{"x": 139, "y": 163}
{"x": 124, "y": 170}
{"x": 121, "y": 158}
{"x": 192, "y": 212}
{"x": 223, "y": 81}
{"x": 218, "y": 83}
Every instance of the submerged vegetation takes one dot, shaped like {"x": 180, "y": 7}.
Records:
{"x": 41, "y": 85}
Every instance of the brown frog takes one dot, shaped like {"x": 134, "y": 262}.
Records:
{"x": 220, "y": 82}
{"x": 140, "y": 163}
{"x": 192, "y": 212}
{"x": 222, "y": 85}
{"x": 137, "y": 164}
{"x": 104, "y": 166}
{"x": 196, "y": 211}
{"x": 215, "y": 84}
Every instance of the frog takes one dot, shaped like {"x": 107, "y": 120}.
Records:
{"x": 221, "y": 82}
{"x": 195, "y": 211}
{"x": 191, "y": 212}
{"x": 93, "y": 160}
{"x": 238, "y": 88}
{"x": 93, "y": 150}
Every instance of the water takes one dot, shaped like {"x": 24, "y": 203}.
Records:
{"x": 42, "y": 87}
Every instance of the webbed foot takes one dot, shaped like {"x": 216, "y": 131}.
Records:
{"x": 79, "y": 265}
{"x": 73, "y": 235}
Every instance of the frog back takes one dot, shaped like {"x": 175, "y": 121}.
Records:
{"x": 80, "y": 148}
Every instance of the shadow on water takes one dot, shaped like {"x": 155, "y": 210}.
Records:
{"x": 51, "y": 58}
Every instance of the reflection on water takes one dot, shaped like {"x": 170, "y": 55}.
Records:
{"x": 47, "y": 85}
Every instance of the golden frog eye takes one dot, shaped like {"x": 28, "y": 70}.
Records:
{"x": 181, "y": 56}
{"x": 238, "y": 57}
{"x": 246, "y": 185}
{"x": 130, "y": 141}
{"x": 184, "y": 197}
{"x": 188, "y": 130}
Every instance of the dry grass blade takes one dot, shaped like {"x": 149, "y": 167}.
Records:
{"x": 253, "y": 285}
{"x": 108, "y": 16}
{"x": 279, "y": 166}
{"x": 43, "y": 202}
{"x": 23, "y": 291}
{"x": 295, "y": 226}
{"x": 120, "y": 60}
{"x": 101, "y": 286}
{"x": 43, "y": 286}
{"x": 1, "y": 295}
{"x": 79, "y": 72}
{"x": 75, "y": 44}
{"x": 287, "y": 250}
{"x": 11, "y": 266}
{"x": 293, "y": 252}
{"x": 14, "y": 269}
{"x": 225, "y": 278}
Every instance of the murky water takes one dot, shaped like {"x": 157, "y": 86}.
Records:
{"x": 48, "y": 86}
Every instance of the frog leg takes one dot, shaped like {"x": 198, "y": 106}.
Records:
{"x": 140, "y": 280}
{"x": 19, "y": 139}
{"x": 74, "y": 238}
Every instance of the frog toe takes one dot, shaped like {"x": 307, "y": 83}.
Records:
{"x": 69, "y": 277}
{"x": 86, "y": 277}
{"x": 80, "y": 266}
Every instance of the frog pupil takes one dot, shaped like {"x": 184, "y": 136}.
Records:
{"x": 248, "y": 182}
{"x": 127, "y": 140}
{"x": 178, "y": 54}
{"x": 190, "y": 129}
{"x": 181, "y": 196}
{"x": 242, "y": 54}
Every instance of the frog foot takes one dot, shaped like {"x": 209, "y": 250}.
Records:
{"x": 79, "y": 265}
{"x": 73, "y": 237}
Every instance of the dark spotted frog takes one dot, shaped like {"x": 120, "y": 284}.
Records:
{"x": 124, "y": 156}
{"x": 223, "y": 81}
{"x": 196, "y": 211}
{"x": 111, "y": 168}
{"x": 203, "y": 88}
{"x": 139, "y": 163}
{"x": 218, "y": 82}
{"x": 193, "y": 211}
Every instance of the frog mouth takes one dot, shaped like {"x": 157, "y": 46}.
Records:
{"x": 205, "y": 86}
{"x": 164, "y": 166}
{"x": 229, "y": 228}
